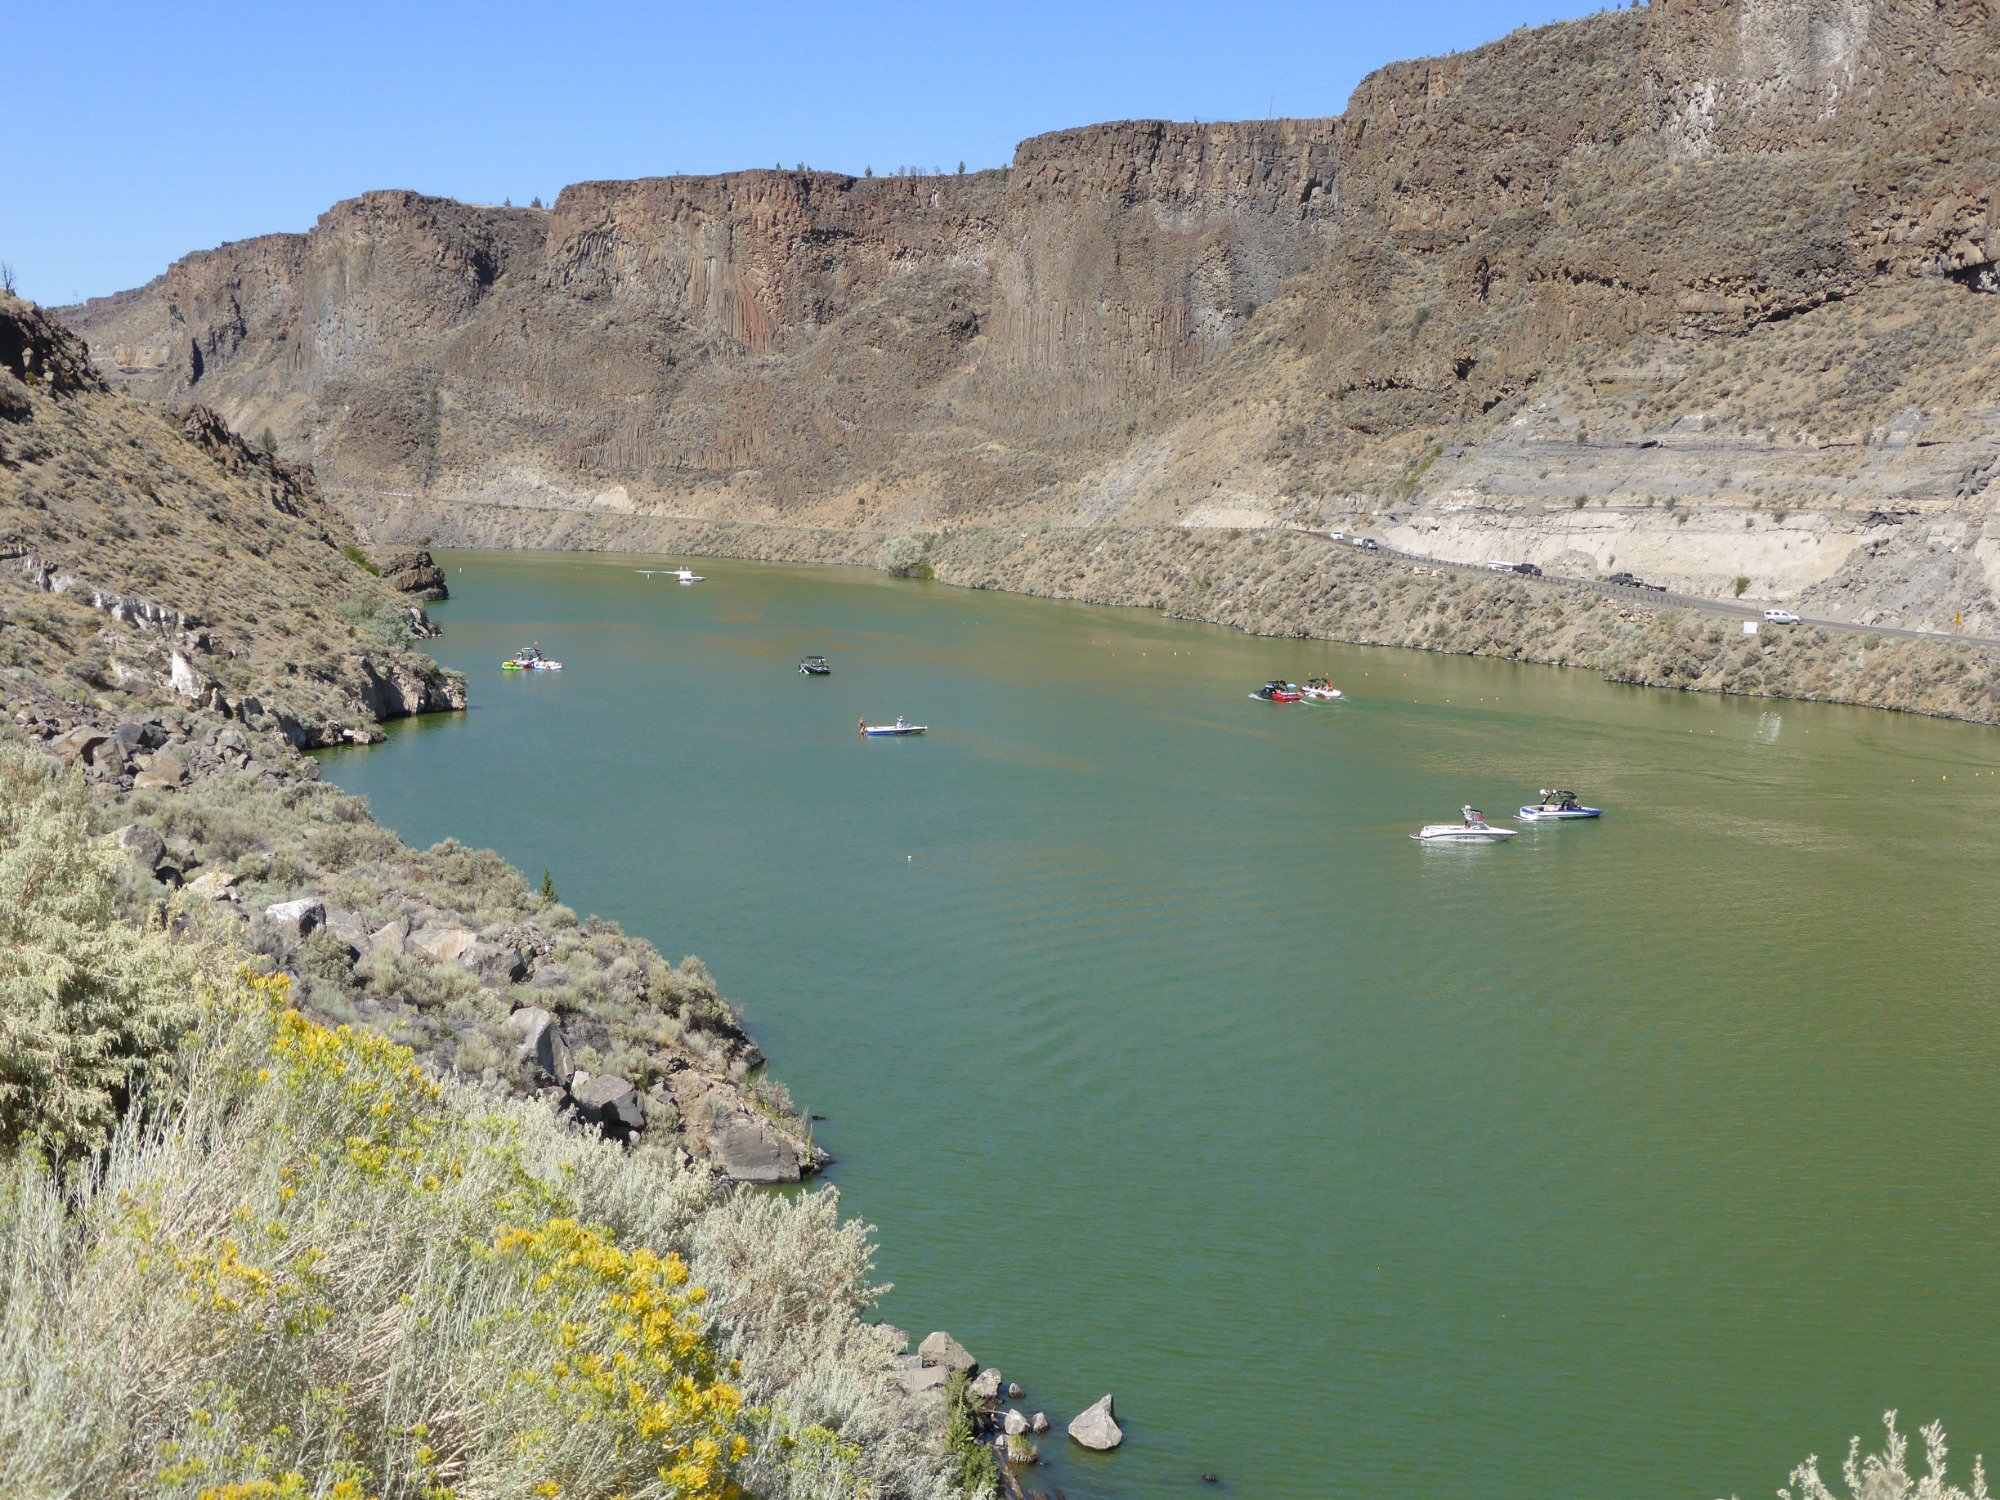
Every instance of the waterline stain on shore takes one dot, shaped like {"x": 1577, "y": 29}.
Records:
{"x": 1169, "y": 1066}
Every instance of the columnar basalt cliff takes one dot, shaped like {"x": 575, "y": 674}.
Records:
{"x": 1704, "y": 288}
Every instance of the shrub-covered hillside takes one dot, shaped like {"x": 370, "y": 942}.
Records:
{"x": 248, "y": 1253}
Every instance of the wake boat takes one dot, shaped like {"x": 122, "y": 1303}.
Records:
{"x": 688, "y": 575}
{"x": 1280, "y": 692}
{"x": 1554, "y": 805}
{"x": 816, "y": 666}
{"x": 530, "y": 659}
{"x": 1474, "y": 829}
{"x": 902, "y": 726}
{"x": 1319, "y": 690}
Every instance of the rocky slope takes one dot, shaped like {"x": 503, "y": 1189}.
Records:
{"x": 1703, "y": 288}
{"x": 179, "y": 613}
{"x": 145, "y": 552}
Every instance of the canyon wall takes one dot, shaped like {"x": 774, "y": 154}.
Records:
{"x": 1703, "y": 289}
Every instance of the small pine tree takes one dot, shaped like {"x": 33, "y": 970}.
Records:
{"x": 536, "y": 201}
{"x": 269, "y": 442}
{"x": 961, "y": 169}
{"x": 548, "y": 888}
{"x": 867, "y": 171}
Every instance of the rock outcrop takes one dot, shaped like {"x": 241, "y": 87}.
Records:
{"x": 416, "y": 573}
{"x": 1097, "y": 1427}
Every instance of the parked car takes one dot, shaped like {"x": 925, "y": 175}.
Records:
{"x": 1529, "y": 568}
{"x": 1628, "y": 579}
{"x": 1780, "y": 617}
{"x": 1499, "y": 567}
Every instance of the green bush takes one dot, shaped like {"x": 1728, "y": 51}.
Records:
{"x": 87, "y": 1003}
{"x": 904, "y": 557}
{"x": 360, "y": 560}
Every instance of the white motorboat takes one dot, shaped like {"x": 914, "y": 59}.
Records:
{"x": 1319, "y": 690}
{"x": 1473, "y": 829}
{"x": 688, "y": 575}
{"x": 901, "y": 727}
{"x": 1555, "y": 805}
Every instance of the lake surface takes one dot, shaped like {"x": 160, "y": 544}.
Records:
{"x": 1631, "y": 1158}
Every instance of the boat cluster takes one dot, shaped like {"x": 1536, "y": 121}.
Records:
{"x": 530, "y": 659}
{"x": 1314, "y": 690}
{"x": 1551, "y": 805}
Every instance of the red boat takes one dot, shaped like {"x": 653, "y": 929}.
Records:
{"x": 1280, "y": 692}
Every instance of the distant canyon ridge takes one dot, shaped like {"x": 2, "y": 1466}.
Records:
{"x": 1705, "y": 291}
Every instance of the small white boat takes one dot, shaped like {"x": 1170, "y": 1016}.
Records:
{"x": 1474, "y": 829}
{"x": 1319, "y": 690}
{"x": 688, "y": 575}
{"x": 902, "y": 726}
{"x": 1555, "y": 805}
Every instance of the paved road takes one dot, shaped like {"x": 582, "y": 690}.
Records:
{"x": 1658, "y": 597}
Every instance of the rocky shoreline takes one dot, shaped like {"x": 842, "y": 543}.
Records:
{"x": 447, "y": 950}
{"x": 1281, "y": 583}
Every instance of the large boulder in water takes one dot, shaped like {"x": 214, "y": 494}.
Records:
{"x": 1098, "y": 1427}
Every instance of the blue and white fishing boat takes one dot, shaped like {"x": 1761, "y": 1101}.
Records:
{"x": 1555, "y": 805}
{"x": 901, "y": 727}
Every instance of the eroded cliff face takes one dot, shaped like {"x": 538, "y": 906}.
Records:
{"x": 1736, "y": 255}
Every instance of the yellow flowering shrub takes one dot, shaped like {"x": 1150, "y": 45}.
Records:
{"x": 635, "y": 1362}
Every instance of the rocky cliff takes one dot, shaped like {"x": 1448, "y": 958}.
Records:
{"x": 145, "y": 552}
{"x": 1703, "y": 288}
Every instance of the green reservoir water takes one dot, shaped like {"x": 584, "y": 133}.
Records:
{"x": 1636, "y": 1158}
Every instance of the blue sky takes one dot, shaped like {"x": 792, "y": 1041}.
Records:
{"x": 142, "y": 131}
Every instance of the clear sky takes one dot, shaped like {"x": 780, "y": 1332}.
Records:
{"x": 141, "y": 131}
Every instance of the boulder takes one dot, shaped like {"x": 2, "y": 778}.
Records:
{"x": 1097, "y": 1428}
{"x": 162, "y": 770}
{"x": 986, "y": 1385}
{"x": 78, "y": 743}
{"x": 494, "y": 964}
{"x": 948, "y": 1353}
{"x": 751, "y": 1149}
{"x": 542, "y": 1042}
{"x": 1015, "y": 1424}
{"x": 896, "y": 1339}
{"x": 299, "y": 918}
{"x": 136, "y": 737}
{"x": 106, "y": 755}
{"x": 391, "y": 937}
{"x": 1014, "y": 1392}
{"x": 916, "y": 1379}
{"x": 613, "y": 1105}
{"x": 1039, "y": 1422}
{"x": 215, "y": 885}
{"x": 550, "y": 975}
{"x": 145, "y": 847}
{"x": 349, "y": 927}
{"x": 446, "y": 944}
